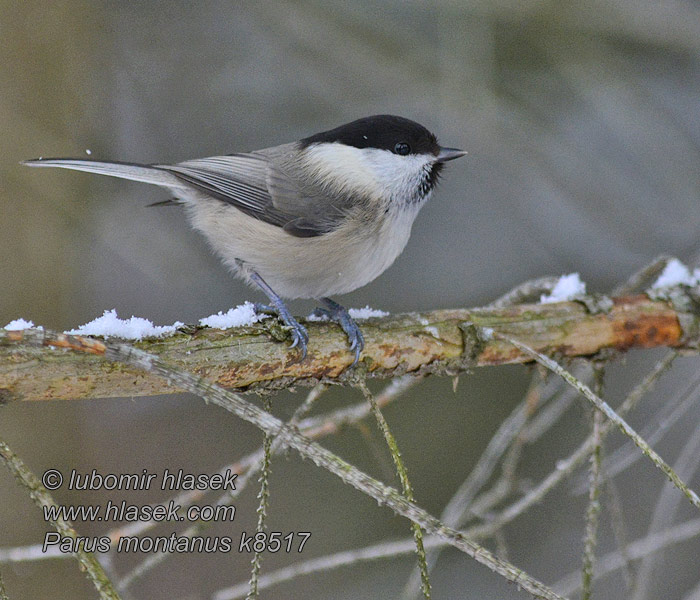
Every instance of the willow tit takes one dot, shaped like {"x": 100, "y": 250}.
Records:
{"x": 308, "y": 219}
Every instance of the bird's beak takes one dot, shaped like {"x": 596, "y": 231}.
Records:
{"x": 446, "y": 154}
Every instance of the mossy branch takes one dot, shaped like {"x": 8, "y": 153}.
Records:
{"x": 88, "y": 562}
{"x": 35, "y": 366}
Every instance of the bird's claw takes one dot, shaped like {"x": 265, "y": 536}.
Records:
{"x": 337, "y": 313}
{"x": 300, "y": 337}
{"x": 355, "y": 337}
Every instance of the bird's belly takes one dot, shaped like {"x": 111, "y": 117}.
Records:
{"x": 334, "y": 263}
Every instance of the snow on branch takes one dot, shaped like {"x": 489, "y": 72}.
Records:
{"x": 34, "y": 363}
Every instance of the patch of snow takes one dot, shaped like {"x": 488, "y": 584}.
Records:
{"x": 487, "y": 333}
{"x": 135, "y": 328}
{"x": 240, "y": 316}
{"x": 19, "y": 325}
{"x": 313, "y": 317}
{"x": 565, "y": 289}
{"x": 676, "y": 273}
{"x": 355, "y": 313}
{"x": 366, "y": 313}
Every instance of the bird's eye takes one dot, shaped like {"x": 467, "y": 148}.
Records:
{"x": 402, "y": 148}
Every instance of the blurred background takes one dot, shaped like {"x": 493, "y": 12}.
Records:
{"x": 582, "y": 122}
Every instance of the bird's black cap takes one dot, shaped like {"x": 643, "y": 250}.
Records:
{"x": 380, "y": 131}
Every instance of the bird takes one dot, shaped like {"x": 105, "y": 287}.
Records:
{"x": 314, "y": 218}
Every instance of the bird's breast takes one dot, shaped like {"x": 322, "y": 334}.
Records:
{"x": 362, "y": 247}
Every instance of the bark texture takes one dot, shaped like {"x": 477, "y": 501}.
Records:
{"x": 39, "y": 365}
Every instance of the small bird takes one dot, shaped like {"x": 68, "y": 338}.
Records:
{"x": 309, "y": 219}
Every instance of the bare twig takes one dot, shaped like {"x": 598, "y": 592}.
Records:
{"x": 552, "y": 411}
{"x": 31, "y": 552}
{"x": 246, "y": 468}
{"x": 405, "y": 486}
{"x": 659, "y": 425}
{"x": 593, "y": 510}
{"x": 646, "y": 546}
{"x": 326, "y": 563}
{"x": 43, "y": 499}
{"x": 644, "y": 278}
{"x": 566, "y": 466}
{"x": 249, "y": 465}
{"x": 617, "y": 520}
{"x": 460, "y": 504}
{"x": 612, "y": 416}
{"x": 686, "y": 465}
{"x": 264, "y": 498}
{"x": 528, "y": 291}
{"x": 568, "y": 585}
{"x": 289, "y": 436}
{"x": 3, "y": 591}
{"x": 532, "y": 430}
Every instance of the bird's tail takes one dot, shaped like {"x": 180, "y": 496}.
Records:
{"x": 146, "y": 173}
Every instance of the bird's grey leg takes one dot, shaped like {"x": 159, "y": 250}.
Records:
{"x": 300, "y": 337}
{"x": 339, "y": 314}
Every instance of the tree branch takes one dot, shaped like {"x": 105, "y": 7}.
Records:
{"x": 437, "y": 342}
{"x": 290, "y": 437}
{"x": 88, "y": 561}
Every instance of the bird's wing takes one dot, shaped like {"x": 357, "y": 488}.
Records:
{"x": 237, "y": 179}
{"x": 259, "y": 184}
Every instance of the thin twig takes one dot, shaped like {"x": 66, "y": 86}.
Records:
{"x": 661, "y": 423}
{"x": 611, "y": 415}
{"x": 42, "y": 498}
{"x": 484, "y": 468}
{"x": 642, "y": 279}
{"x": 529, "y": 290}
{"x": 593, "y": 510}
{"x": 3, "y": 591}
{"x": 646, "y": 546}
{"x": 566, "y": 466}
{"x": 531, "y": 432}
{"x": 550, "y": 414}
{"x": 686, "y": 465}
{"x": 30, "y": 552}
{"x": 249, "y": 466}
{"x": 331, "y": 423}
{"x": 326, "y": 563}
{"x": 311, "y": 427}
{"x": 617, "y": 520}
{"x": 405, "y": 485}
{"x": 322, "y": 457}
{"x": 568, "y": 585}
{"x": 264, "y": 497}
{"x": 459, "y": 505}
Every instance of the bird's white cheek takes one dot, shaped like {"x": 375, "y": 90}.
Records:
{"x": 343, "y": 168}
{"x": 399, "y": 177}
{"x": 367, "y": 171}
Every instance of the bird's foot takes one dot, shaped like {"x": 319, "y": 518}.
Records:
{"x": 339, "y": 314}
{"x": 300, "y": 336}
